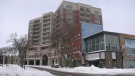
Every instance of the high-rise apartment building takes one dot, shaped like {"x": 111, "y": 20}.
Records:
{"x": 39, "y": 37}
{"x": 57, "y": 37}
{"x": 68, "y": 31}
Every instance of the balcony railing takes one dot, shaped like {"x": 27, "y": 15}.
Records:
{"x": 35, "y": 38}
{"x": 35, "y": 35}
{"x": 36, "y": 30}
{"x": 46, "y": 35}
{"x": 47, "y": 22}
{"x": 46, "y": 27}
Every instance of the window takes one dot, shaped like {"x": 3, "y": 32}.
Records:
{"x": 82, "y": 14}
{"x": 69, "y": 16}
{"x": 82, "y": 18}
{"x": 114, "y": 63}
{"x": 102, "y": 62}
{"x": 45, "y": 48}
{"x": 101, "y": 39}
{"x": 69, "y": 21}
{"x": 68, "y": 11}
{"x": 97, "y": 21}
{"x": 88, "y": 15}
{"x": 31, "y": 49}
{"x": 97, "y": 12}
{"x": 81, "y": 8}
{"x": 97, "y": 16}
{"x": 116, "y": 39}
{"x": 95, "y": 44}
{"x": 38, "y": 55}
{"x": 112, "y": 42}
{"x": 102, "y": 46}
{"x": 87, "y": 9}
{"x": 130, "y": 47}
{"x": 31, "y": 23}
{"x": 58, "y": 11}
{"x": 108, "y": 46}
{"x": 69, "y": 6}
{"x": 36, "y": 21}
{"x": 87, "y": 19}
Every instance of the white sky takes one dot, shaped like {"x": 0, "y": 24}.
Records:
{"x": 118, "y": 15}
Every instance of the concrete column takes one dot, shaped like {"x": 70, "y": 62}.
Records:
{"x": 4, "y": 59}
{"x": 49, "y": 61}
{"x": 27, "y": 62}
{"x": 34, "y": 62}
{"x": 18, "y": 61}
{"x": 41, "y": 62}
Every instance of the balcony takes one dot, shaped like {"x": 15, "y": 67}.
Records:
{"x": 36, "y": 31}
{"x": 48, "y": 18}
{"x": 37, "y": 24}
{"x": 35, "y": 35}
{"x": 35, "y": 43}
{"x": 46, "y": 31}
{"x": 35, "y": 38}
{"x": 36, "y": 27}
{"x": 45, "y": 27}
{"x": 46, "y": 22}
{"x": 46, "y": 35}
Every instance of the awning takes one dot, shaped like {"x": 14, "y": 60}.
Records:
{"x": 93, "y": 59}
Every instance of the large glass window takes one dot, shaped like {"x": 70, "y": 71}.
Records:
{"x": 95, "y": 44}
{"x": 129, "y": 63}
{"x": 112, "y": 42}
{"x": 130, "y": 47}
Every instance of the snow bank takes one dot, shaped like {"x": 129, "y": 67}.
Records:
{"x": 93, "y": 70}
{"x": 14, "y": 70}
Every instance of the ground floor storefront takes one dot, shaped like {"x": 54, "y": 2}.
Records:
{"x": 128, "y": 63}
{"x": 104, "y": 59}
{"x": 44, "y": 60}
{"x": 67, "y": 62}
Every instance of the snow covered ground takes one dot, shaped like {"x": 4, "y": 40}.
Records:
{"x": 94, "y": 70}
{"x": 15, "y": 70}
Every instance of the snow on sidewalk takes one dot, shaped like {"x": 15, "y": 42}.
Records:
{"x": 14, "y": 70}
{"x": 93, "y": 70}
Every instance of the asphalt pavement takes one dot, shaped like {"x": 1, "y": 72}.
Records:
{"x": 61, "y": 73}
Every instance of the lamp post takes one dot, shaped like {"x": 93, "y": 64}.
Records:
{"x": 24, "y": 58}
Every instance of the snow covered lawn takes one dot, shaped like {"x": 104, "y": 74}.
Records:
{"x": 14, "y": 70}
{"x": 94, "y": 70}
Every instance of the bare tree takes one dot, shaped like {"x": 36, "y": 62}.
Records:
{"x": 20, "y": 44}
{"x": 1, "y": 56}
{"x": 7, "y": 53}
{"x": 62, "y": 38}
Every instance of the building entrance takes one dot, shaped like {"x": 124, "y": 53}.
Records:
{"x": 45, "y": 59}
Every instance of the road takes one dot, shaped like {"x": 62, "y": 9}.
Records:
{"x": 61, "y": 73}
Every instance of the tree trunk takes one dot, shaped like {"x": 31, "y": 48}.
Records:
{"x": 21, "y": 62}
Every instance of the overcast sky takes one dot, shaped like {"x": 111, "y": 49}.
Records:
{"x": 118, "y": 15}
